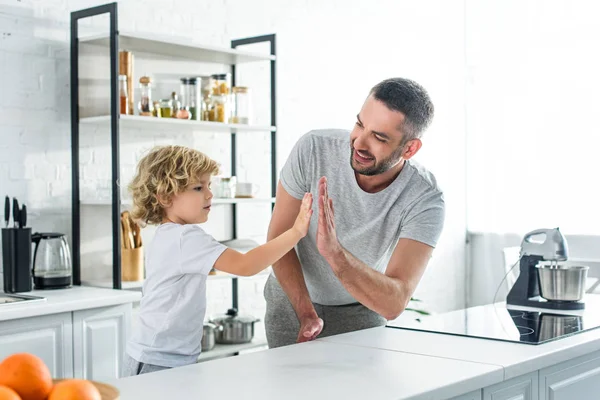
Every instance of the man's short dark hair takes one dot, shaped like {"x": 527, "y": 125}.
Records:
{"x": 411, "y": 99}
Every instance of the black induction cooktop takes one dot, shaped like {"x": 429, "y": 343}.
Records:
{"x": 511, "y": 325}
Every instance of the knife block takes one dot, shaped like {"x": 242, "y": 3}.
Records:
{"x": 132, "y": 264}
{"x": 16, "y": 260}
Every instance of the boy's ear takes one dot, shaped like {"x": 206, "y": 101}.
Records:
{"x": 163, "y": 201}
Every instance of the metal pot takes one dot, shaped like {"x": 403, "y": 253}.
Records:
{"x": 209, "y": 336}
{"x": 235, "y": 329}
{"x": 562, "y": 283}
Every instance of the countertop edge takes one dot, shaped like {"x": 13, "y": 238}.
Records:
{"x": 79, "y": 301}
{"x": 547, "y": 360}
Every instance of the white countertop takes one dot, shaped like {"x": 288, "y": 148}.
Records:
{"x": 66, "y": 300}
{"x": 315, "y": 370}
{"x": 515, "y": 358}
{"x": 379, "y": 363}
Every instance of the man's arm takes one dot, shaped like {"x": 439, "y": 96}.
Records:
{"x": 288, "y": 269}
{"x": 387, "y": 294}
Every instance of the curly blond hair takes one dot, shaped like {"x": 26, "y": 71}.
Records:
{"x": 164, "y": 172}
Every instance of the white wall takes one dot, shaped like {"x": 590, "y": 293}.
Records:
{"x": 532, "y": 129}
{"x": 329, "y": 55}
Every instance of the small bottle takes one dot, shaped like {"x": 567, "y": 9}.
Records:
{"x": 145, "y": 106}
{"x": 176, "y": 104}
{"x": 123, "y": 97}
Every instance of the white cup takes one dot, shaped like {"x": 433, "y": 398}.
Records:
{"x": 246, "y": 189}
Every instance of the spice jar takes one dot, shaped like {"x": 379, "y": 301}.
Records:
{"x": 240, "y": 105}
{"x": 165, "y": 108}
{"x": 123, "y": 96}
{"x": 145, "y": 105}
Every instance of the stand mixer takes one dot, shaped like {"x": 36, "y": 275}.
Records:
{"x": 551, "y": 286}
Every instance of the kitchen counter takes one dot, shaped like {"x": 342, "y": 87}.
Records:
{"x": 67, "y": 300}
{"x": 315, "y": 370}
{"x": 390, "y": 363}
{"x": 515, "y": 358}
{"x": 79, "y": 332}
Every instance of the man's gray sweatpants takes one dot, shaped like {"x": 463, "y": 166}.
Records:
{"x": 282, "y": 325}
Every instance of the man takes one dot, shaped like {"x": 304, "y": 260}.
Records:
{"x": 379, "y": 218}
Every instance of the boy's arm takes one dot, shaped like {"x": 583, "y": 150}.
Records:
{"x": 257, "y": 259}
{"x": 263, "y": 256}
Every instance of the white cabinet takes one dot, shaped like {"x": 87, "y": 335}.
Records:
{"x": 520, "y": 388}
{"x": 48, "y": 337}
{"x": 574, "y": 379}
{"x": 476, "y": 395}
{"x": 99, "y": 337}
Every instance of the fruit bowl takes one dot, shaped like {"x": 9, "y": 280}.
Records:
{"x": 108, "y": 392}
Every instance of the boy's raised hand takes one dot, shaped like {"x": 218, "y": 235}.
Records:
{"x": 303, "y": 219}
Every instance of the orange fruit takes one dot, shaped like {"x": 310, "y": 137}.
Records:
{"x": 75, "y": 389}
{"x": 7, "y": 393}
{"x": 27, "y": 375}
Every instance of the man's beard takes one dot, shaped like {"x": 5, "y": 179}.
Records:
{"x": 379, "y": 167}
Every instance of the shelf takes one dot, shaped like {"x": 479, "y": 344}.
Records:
{"x": 137, "y": 285}
{"x": 178, "y": 47}
{"x": 225, "y": 275}
{"x": 223, "y": 350}
{"x": 107, "y": 283}
{"x": 243, "y": 200}
{"x": 136, "y": 121}
{"x": 215, "y": 201}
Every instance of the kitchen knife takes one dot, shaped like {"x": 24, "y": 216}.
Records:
{"x": 23, "y": 216}
{"x": 15, "y": 212}
{"x": 6, "y": 210}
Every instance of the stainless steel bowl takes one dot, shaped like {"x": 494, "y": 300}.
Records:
{"x": 562, "y": 283}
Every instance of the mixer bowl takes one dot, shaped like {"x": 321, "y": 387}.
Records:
{"x": 562, "y": 283}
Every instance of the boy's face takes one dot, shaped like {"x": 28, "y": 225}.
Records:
{"x": 193, "y": 204}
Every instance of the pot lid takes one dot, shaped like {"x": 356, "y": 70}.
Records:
{"x": 233, "y": 316}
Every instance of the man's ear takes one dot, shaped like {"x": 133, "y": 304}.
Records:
{"x": 411, "y": 148}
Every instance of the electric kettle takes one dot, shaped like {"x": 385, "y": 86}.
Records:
{"x": 51, "y": 261}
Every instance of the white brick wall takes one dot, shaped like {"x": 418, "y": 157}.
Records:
{"x": 329, "y": 55}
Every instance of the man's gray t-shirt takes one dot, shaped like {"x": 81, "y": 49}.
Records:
{"x": 368, "y": 225}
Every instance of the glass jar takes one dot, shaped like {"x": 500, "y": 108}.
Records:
{"x": 123, "y": 97}
{"x": 240, "y": 108}
{"x": 207, "y": 106}
{"x": 221, "y": 84}
{"x": 190, "y": 93}
{"x": 220, "y": 111}
{"x": 145, "y": 105}
{"x": 227, "y": 187}
{"x": 176, "y": 104}
{"x": 165, "y": 108}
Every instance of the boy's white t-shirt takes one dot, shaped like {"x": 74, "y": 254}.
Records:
{"x": 173, "y": 306}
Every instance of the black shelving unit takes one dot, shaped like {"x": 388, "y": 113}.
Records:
{"x": 112, "y": 10}
{"x": 235, "y": 44}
